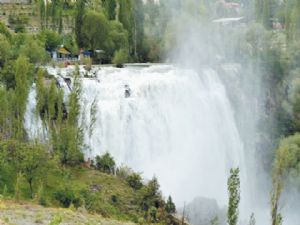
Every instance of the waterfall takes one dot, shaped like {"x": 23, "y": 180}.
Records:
{"x": 177, "y": 124}
{"x": 173, "y": 123}
{"x": 33, "y": 123}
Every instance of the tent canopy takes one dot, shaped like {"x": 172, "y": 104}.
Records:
{"x": 63, "y": 51}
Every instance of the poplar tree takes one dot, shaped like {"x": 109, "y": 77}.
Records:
{"x": 22, "y": 73}
{"x": 138, "y": 28}
{"x": 233, "y": 185}
{"x": 126, "y": 17}
{"x": 279, "y": 169}
{"x": 110, "y": 7}
{"x": 68, "y": 138}
{"x": 170, "y": 206}
{"x": 80, "y": 12}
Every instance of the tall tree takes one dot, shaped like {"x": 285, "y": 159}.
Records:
{"x": 234, "y": 197}
{"x": 22, "y": 77}
{"x": 110, "y": 7}
{"x": 80, "y": 11}
{"x": 94, "y": 30}
{"x": 126, "y": 18}
{"x": 138, "y": 28}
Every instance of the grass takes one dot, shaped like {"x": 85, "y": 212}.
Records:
{"x": 30, "y": 214}
{"x": 92, "y": 191}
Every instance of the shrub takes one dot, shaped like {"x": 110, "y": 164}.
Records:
{"x": 135, "y": 181}
{"x": 105, "y": 163}
{"x": 66, "y": 197}
{"x": 123, "y": 172}
{"x": 120, "y": 57}
{"x": 152, "y": 213}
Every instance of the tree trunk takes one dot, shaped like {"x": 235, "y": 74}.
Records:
{"x": 135, "y": 39}
{"x": 118, "y": 11}
{"x": 30, "y": 186}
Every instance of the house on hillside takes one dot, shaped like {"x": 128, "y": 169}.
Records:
{"x": 63, "y": 53}
{"x": 60, "y": 54}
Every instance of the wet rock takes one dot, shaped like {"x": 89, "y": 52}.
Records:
{"x": 127, "y": 91}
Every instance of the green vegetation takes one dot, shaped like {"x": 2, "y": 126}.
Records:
{"x": 30, "y": 213}
{"x": 111, "y": 26}
{"x": 234, "y": 197}
{"x": 105, "y": 163}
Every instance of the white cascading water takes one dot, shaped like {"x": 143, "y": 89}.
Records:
{"x": 32, "y": 123}
{"x": 174, "y": 123}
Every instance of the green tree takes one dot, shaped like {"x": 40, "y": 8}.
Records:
{"x": 28, "y": 162}
{"x": 126, "y": 18}
{"x": 33, "y": 165}
{"x": 5, "y": 114}
{"x": 4, "y": 50}
{"x": 105, "y": 163}
{"x": 138, "y": 28}
{"x": 234, "y": 196}
{"x": 151, "y": 195}
{"x": 284, "y": 156}
{"x": 110, "y": 7}
{"x": 170, "y": 206}
{"x": 135, "y": 181}
{"x": 22, "y": 71}
{"x": 94, "y": 30}
{"x": 34, "y": 50}
{"x": 67, "y": 136}
{"x": 4, "y": 31}
{"x": 52, "y": 39}
{"x": 80, "y": 12}
{"x": 117, "y": 39}
{"x": 120, "y": 57}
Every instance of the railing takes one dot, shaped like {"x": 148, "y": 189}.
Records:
{"x": 65, "y": 59}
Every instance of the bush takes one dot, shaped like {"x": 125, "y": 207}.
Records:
{"x": 105, "y": 163}
{"x": 152, "y": 213}
{"x": 135, "y": 181}
{"x": 124, "y": 172}
{"x": 120, "y": 57}
{"x": 66, "y": 197}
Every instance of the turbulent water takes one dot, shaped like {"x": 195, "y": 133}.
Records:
{"x": 176, "y": 124}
